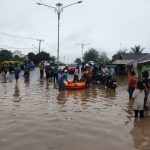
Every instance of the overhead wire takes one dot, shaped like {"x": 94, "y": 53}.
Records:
{"x": 17, "y": 36}
{"x": 11, "y": 47}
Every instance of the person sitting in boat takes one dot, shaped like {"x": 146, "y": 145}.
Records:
{"x": 75, "y": 79}
{"x": 61, "y": 80}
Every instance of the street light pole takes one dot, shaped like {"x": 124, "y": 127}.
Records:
{"x": 58, "y": 9}
{"x": 58, "y": 13}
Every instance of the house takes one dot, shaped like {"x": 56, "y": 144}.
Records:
{"x": 132, "y": 61}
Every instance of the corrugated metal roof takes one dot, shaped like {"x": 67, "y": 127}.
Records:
{"x": 144, "y": 59}
{"x": 122, "y": 62}
{"x": 133, "y": 56}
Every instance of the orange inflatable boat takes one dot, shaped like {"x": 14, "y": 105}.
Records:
{"x": 78, "y": 85}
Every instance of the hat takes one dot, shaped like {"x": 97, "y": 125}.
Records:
{"x": 65, "y": 71}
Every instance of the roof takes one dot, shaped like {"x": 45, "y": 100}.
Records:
{"x": 144, "y": 59}
{"x": 122, "y": 62}
{"x": 133, "y": 56}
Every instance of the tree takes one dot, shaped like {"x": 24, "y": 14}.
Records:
{"x": 5, "y": 55}
{"x": 91, "y": 55}
{"x": 17, "y": 58}
{"x": 137, "y": 49}
{"x": 118, "y": 54}
{"x": 52, "y": 58}
{"x": 32, "y": 56}
{"x": 42, "y": 56}
{"x": 103, "y": 59}
{"x": 78, "y": 61}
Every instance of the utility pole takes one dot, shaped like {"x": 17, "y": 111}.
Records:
{"x": 82, "y": 47}
{"x": 39, "y": 40}
{"x": 120, "y": 46}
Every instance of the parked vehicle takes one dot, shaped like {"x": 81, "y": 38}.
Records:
{"x": 91, "y": 63}
{"x": 71, "y": 68}
{"x": 46, "y": 64}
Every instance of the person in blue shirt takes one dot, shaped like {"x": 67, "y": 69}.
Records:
{"x": 61, "y": 80}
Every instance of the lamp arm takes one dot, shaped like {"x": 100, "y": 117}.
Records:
{"x": 49, "y": 6}
{"x": 68, "y": 6}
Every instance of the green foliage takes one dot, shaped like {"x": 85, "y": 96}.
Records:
{"x": 94, "y": 55}
{"x": 5, "y": 55}
{"x": 42, "y": 56}
{"x": 137, "y": 49}
{"x": 17, "y": 58}
{"x": 91, "y": 55}
{"x": 118, "y": 54}
{"x": 78, "y": 61}
{"x": 103, "y": 59}
{"x": 32, "y": 56}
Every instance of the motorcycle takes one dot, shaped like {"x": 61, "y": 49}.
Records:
{"x": 111, "y": 84}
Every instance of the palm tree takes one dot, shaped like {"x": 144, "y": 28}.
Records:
{"x": 137, "y": 49}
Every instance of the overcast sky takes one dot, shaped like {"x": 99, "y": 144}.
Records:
{"x": 107, "y": 25}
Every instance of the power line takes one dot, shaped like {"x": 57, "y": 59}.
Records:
{"x": 14, "y": 47}
{"x": 17, "y": 36}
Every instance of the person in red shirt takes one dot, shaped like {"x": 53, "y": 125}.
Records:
{"x": 131, "y": 84}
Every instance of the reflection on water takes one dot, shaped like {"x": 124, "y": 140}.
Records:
{"x": 16, "y": 95}
{"x": 34, "y": 115}
{"x": 141, "y": 133}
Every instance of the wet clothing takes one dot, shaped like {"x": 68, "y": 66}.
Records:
{"x": 62, "y": 77}
{"x": 17, "y": 72}
{"x": 61, "y": 81}
{"x": 131, "y": 85}
{"x": 55, "y": 71}
{"x": 41, "y": 66}
{"x": 139, "y": 103}
{"x": 47, "y": 72}
{"x": 146, "y": 83}
{"x": 26, "y": 71}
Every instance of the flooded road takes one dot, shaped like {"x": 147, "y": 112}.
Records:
{"x": 36, "y": 116}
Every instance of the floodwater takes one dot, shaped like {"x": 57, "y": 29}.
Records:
{"x": 36, "y": 116}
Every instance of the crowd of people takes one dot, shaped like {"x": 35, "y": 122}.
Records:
{"x": 139, "y": 89}
{"x": 83, "y": 73}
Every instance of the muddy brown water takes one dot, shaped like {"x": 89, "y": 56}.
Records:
{"x": 36, "y": 116}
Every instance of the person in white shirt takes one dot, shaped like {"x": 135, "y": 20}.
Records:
{"x": 139, "y": 100}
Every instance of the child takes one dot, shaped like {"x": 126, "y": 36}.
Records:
{"x": 139, "y": 100}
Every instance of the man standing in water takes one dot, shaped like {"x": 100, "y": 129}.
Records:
{"x": 16, "y": 72}
{"x": 61, "y": 80}
{"x": 41, "y": 66}
{"x": 55, "y": 71}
